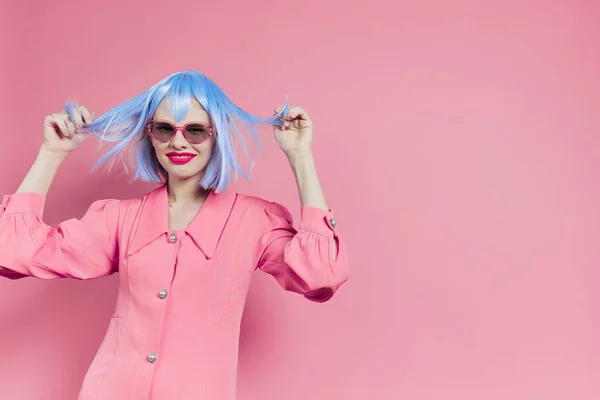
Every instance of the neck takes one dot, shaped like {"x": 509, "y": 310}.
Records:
{"x": 186, "y": 191}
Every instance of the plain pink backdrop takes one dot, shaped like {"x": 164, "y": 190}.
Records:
{"x": 457, "y": 141}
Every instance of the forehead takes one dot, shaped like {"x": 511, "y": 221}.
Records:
{"x": 195, "y": 112}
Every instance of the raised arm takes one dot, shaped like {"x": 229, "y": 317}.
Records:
{"x": 79, "y": 249}
{"x": 313, "y": 260}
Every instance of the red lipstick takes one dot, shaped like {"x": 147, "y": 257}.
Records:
{"x": 180, "y": 158}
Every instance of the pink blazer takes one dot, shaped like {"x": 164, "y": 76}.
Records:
{"x": 175, "y": 330}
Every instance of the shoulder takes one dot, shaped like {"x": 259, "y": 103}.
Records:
{"x": 250, "y": 202}
{"x": 263, "y": 207}
{"x": 121, "y": 206}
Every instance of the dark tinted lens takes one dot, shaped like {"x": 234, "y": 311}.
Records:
{"x": 196, "y": 132}
{"x": 162, "y": 130}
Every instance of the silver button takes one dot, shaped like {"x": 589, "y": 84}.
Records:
{"x": 163, "y": 294}
{"x": 152, "y": 357}
{"x": 172, "y": 238}
{"x": 333, "y": 222}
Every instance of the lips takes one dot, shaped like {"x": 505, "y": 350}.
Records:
{"x": 180, "y": 158}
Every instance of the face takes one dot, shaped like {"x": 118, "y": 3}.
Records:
{"x": 180, "y": 158}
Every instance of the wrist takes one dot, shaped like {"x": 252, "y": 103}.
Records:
{"x": 52, "y": 155}
{"x": 300, "y": 157}
{"x": 305, "y": 172}
{"x": 303, "y": 166}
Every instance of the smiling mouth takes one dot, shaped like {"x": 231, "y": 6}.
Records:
{"x": 180, "y": 158}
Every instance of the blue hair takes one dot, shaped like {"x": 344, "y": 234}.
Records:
{"x": 123, "y": 127}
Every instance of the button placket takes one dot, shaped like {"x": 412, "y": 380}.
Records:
{"x": 162, "y": 294}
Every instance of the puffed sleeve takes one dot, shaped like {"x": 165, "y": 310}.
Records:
{"x": 311, "y": 261}
{"x": 83, "y": 248}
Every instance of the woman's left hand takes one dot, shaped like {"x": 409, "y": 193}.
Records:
{"x": 295, "y": 135}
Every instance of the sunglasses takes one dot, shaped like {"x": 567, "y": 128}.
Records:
{"x": 194, "y": 132}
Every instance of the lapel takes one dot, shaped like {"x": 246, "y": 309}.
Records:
{"x": 205, "y": 229}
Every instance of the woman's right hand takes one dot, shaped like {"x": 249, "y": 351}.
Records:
{"x": 61, "y": 134}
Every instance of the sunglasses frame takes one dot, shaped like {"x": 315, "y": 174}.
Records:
{"x": 211, "y": 130}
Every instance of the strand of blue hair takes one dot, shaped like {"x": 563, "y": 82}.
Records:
{"x": 123, "y": 128}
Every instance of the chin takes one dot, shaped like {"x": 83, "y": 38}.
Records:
{"x": 180, "y": 173}
{"x": 183, "y": 174}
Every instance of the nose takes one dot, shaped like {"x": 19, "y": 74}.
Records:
{"x": 178, "y": 140}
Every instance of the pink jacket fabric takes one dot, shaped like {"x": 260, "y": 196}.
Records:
{"x": 175, "y": 330}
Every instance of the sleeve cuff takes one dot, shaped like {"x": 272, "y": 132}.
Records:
{"x": 32, "y": 203}
{"x": 317, "y": 220}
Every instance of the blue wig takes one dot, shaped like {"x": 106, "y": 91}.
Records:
{"x": 123, "y": 127}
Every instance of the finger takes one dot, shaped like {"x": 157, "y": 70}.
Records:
{"x": 77, "y": 120}
{"x": 70, "y": 126}
{"x": 282, "y": 118}
{"x": 86, "y": 115}
{"x": 63, "y": 130}
{"x": 298, "y": 113}
{"x": 64, "y": 117}
{"x": 50, "y": 122}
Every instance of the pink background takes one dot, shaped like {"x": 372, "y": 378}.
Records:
{"x": 457, "y": 141}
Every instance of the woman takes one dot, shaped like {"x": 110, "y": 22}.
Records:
{"x": 186, "y": 251}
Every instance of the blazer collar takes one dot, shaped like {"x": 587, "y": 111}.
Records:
{"x": 205, "y": 228}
